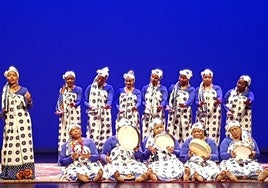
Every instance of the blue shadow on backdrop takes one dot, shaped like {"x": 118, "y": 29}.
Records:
{"x": 43, "y": 39}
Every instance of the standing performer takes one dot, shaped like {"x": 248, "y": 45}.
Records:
{"x": 98, "y": 101}
{"x": 154, "y": 96}
{"x": 17, "y": 157}
{"x": 181, "y": 97}
{"x": 208, "y": 99}
{"x": 129, "y": 100}
{"x": 237, "y": 103}
{"x": 68, "y": 106}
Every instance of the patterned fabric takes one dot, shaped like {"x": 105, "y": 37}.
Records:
{"x": 153, "y": 98}
{"x": 17, "y": 150}
{"x": 210, "y": 114}
{"x": 70, "y": 115}
{"x": 124, "y": 162}
{"x": 236, "y": 103}
{"x": 180, "y": 118}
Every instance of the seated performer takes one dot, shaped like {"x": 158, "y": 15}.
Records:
{"x": 239, "y": 152}
{"x": 80, "y": 157}
{"x": 161, "y": 151}
{"x": 121, "y": 154}
{"x": 200, "y": 154}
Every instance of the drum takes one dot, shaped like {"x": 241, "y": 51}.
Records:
{"x": 128, "y": 137}
{"x": 199, "y": 148}
{"x": 242, "y": 151}
{"x": 163, "y": 140}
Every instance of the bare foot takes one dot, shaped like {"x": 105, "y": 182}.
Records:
{"x": 187, "y": 174}
{"x": 231, "y": 176}
{"x": 98, "y": 176}
{"x": 151, "y": 175}
{"x": 141, "y": 178}
{"x": 221, "y": 176}
{"x": 198, "y": 177}
{"x": 118, "y": 177}
{"x": 263, "y": 175}
{"x": 83, "y": 178}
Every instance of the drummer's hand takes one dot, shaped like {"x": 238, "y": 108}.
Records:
{"x": 206, "y": 158}
{"x": 159, "y": 108}
{"x": 134, "y": 109}
{"x": 75, "y": 156}
{"x": 28, "y": 97}
{"x": 181, "y": 105}
{"x": 190, "y": 154}
{"x": 108, "y": 159}
{"x": 252, "y": 155}
{"x": 107, "y": 107}
{"x": 170, "y": 149}
{"x": 152, "y": 149}
{"x": 233, "y": 154}
{"x": 85, "y": 155}
{"x": 229, "y": 113}
{"x": 136, "y": 149}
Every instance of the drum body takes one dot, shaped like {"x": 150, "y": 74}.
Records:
{"x": 199, "y": 148}
{"x": 242, "y": 151}
{"x": 128, "y": 137}
{"x": 164, "y": 140}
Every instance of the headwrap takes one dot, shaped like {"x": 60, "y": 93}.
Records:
{"x": 197, "y": 125}
{"x": 12, "y": 68}
{"x": 103, "y": 72}
{"x": 72, "y": 125}
{"x": 188, "y": 73}
{"x": 206, "y": 72}
{"x": 155, "y": 121}
{"x": 130, "y": 74}
{"x": 246, "y": 78}
{"x": 68, "y": 73}
{"x": 158, "y": 72}
{"x": 122, "y": 122}
{"x": 231, "y": 124}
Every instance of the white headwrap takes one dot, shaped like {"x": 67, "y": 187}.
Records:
{"x": 130, "y": 74}
{"x": 155, "y": 121}
{"x": 206, "y": 72}
{"x": 197, "y": 125}
{"x": 72, "y": 125}
{"x": 158, "y": 72}
{"x": 103, "y": 72}
{"x": 231, "y": 124}
{"x": 246, "y": 78}
{"x": 68, "y": 73}
{"x": 188, "y": 73}
{"x": 122, "y": 122}
{"x": 12, "y": 68}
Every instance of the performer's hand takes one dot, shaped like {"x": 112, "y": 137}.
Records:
{"x": 217, "y": 101}
{"x": 134, "y": 109}
{"x": 59, "y": 113}
{"x": 247, "y": 103}
{"x": 159, "y": 108}
{"x": 152, "y": 149}
{"x": 28, "y": 97}
{"x": 108, "y": 159}
{"x": 72, "y": 104}
{"x": 75, "y": 156}
{"x": 233, "y": 154}
{"x": 181, "y": 105}
{"x": 170, "y": 149}
{"x": 252, "y": 154}
{"x": 201, "y": 103}
{"x": 190, "y": 154}
{"x": 107, "y": 107}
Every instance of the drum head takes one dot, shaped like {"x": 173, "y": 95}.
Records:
{"x": 242, "y": 152}
{"x": 164, "y": 140}
{"x": 128, "y": 137}
{"x": 199, "y": 148}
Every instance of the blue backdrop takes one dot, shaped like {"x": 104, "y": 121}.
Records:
{"x": 43, "y": 39}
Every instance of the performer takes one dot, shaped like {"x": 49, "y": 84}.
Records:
{"x": 242, "y": 164}
{"x": 123, "y": 163}
{"x": 128, "y": 100}
{"x": 68, "y": 106}
{"x": 17, "y": 157}
{"x": 154, "y": 97}
{"x": 163, "y": 163}
{"x": 179, "y": 107}
{"x": 80, "y": 157}
{"x": 208, "y": 100}
{"x": 201, "y": 165}
{"x": 238, "y": 102}
{"x": 98, "y": 101}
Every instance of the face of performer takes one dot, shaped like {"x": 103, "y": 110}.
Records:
{"x": 207, "y": 79}
{"x": 236, "y": 132}
{"x": 101, "y": 80}
{"x": 129, "y": 83}
{"x": 158, "y": 128}
{"x": 154, "y": 79}
{"x": 12, "y": 78}
{"x": 183, "y": 80}
{"x": 241, "y": 85}
{"x": 70, "y": 81}
{"x": 198, "y": 133}
{"x": 76, "y": 133}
